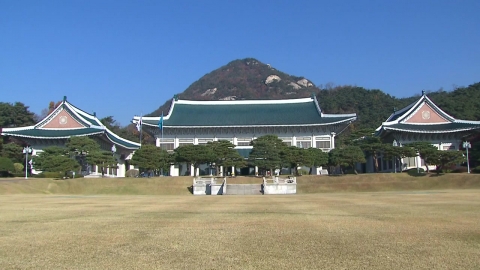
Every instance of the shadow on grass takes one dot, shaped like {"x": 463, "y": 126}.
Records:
{"x": 190, "y": 189}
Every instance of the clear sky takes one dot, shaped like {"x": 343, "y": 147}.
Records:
{"x": 125, "y": 58}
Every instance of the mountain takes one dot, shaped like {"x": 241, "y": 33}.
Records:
{"x": 245, "y": 79}
{"x": 251, "y": 79}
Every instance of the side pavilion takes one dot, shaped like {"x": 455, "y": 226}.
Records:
{"x": 423, "y": 121}
{"x": 69, "y": 121}
{"x": 297, "y": 122}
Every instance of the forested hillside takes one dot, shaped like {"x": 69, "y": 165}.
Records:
{"x": 374, "y": 106}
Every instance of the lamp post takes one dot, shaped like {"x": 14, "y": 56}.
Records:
{"x": 114, "y": 149}
{"x": 467, "y": 145}
{"x": 395, "y": 144}
{"x": 27, "y": 150}
{"x": 417, "y": 160}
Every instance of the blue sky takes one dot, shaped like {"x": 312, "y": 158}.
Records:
{"x": 125, "y": 58}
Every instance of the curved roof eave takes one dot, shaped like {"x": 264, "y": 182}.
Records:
{"x": 240, "y": 126}
{"x": 429, "y": 131}
{"x": 51, "y": 138}
{"x": 125, "y": 143}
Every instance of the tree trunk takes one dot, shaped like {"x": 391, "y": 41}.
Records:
{"x": 375, "y": 162}
{"x": 354, "y": 169}
{"x": 426, "y": 166}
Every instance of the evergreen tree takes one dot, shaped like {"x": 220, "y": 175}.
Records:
{"x": 103, "y": 159}
{"x": 12, "y": 151}
{"x": 315, "y": 158}
{"x": 444, "y": 159}
{"x": 266, "y": 152}
{"x": 15, "y": 115}
{"x": 149, "y": 157}
{"x": 55, "y": 159}
{"x": 6, "y": 167}
{"x": 226, "y": 155}
{"x": 194, "y": 155}
{"x": 347, "y": 157}
{"x": 427, "y": 152}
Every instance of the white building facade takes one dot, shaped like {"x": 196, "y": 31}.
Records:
{"x": 297, "y": 122}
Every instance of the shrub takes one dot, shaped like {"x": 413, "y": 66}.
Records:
{"x": 460, "y": 170}
{"x": 6, "y": 167}
{"x": 18, "y": 167}
{"x": 413, "y": 172}
{"x": 49, "y": 175}
{"x": 476, "y": 170}
{"x": 132, "y": 173}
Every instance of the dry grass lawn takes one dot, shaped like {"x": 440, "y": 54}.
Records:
{"x": 179, "y": 185}
{"x": 382, "y": 230}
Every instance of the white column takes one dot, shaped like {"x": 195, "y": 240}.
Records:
{"x": 235, "y": 141}
{"x": 221, "y": 170}
{"x": 256, "y": 170}
{"x": 233, "y": 171}
{"x": 195, "y": 140}
{"x": 314, "y": 142}
{"x": 120, "y": 170}
{"x": 294, "y": 141}
{"x": 157, "y": 142}
{"x": 174, "y": 171}
{"x": 175, "y": 142}
{"x": 191, "y": 170}
{"x": 332, "y": 140}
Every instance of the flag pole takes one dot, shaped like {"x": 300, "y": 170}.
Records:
{"x": 161, "y": 138}
{"x": 141, "y": 124}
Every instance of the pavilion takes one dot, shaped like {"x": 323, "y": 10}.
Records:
{"x": 67, "y": 121}
{"x": 423, "y": 121}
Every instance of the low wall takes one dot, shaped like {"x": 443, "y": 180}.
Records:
{"x": 244, "y": 189}
{"x": 279, "y": 186}
{"x": 209, "y": 186}
{"x": 219, "y": 186}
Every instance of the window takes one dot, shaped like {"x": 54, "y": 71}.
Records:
{"x": 182, "y": 144}
{"x": 243, "y": 141}
{"x": 167, "y": 146}
{"x": 448, "y": 147}
{"x": 410, "y": 161}
{"x": 304, "y": 144}
{"x": 288, "y": 142}
{"x": 204, "y": 141}
{"x": 323, "y": 144}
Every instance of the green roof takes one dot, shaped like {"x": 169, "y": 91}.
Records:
{"x": 91, "y": 126}
{"x": 51, "y": 133}
{"x": 123, "y": 142}
{"x": 243, "y": 113}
